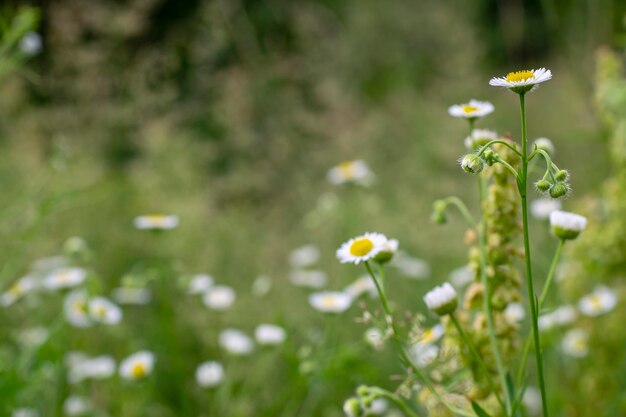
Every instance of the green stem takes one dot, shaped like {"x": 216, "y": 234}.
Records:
{"x": 529, "y": 277}
{"x": 395, "y": 399}
{"x": 500, "y": 141}
{"x": 458, "y": 203}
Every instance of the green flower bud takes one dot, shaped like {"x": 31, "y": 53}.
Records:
{"x": 352, "y": 407}
{"x": 439, "y": 212}
{"x": 559, "y": 190}
{"x": 543, "y": 185}
{"x": 362, "y": 390}
{"x": 389, "y": 250}
{"x": 472, "y": 163}
{"x": 490, "y": 157}
{"x": 561, "y": 175}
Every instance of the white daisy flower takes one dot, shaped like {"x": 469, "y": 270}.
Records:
{"x": 16, "y": 291}
{"x": 411, "y": 267}
{"x": 472, "y": 110}
{"x": 75, "y": 405}
{"x": 31, "y": 43}
{"x": 545, "y": 144}
{"x": 375, "y": 337}
{"x": 479, "y": 138}
{"x": 261, "y": 285}
{"x": 209, "y": 374}
{"x": 132, "y": 295}
{"x": 304, "y": 256}
{"x": 236, "y": 342}
{"x": 423, "y": 355}
{"x": 567, "y": 225}
{"x": 576, "y": 343}
{"x": 81, "y": 367}
{"x": 200, "y": 283}
{"x": 104, "y": 311}
{"x": 522, "y": 81}
{"x": 442, "y": 300}
{"x": 532, "y": 401}
{"x": 330, "y": 301}
{"x": 361, "y": 248}
{"x": 35, "y": 336}
{"x": 600, "y": 301}
{"x": 431, "y": 335}
{"x": 75, "y": 309}
{"x": 543, "y": 207}
{"x": 138, "y": 365}
{"x": 355, "y": 172}
{"x": 361, "y": 286}
{"x": 308, "y": 278}
{"x": 219, "y": 298}
{"x": 156, "y": 222}
{"x": 377, "y": 407}
{"x": 462, "y": 276}
{"x": 387, "y": 253}
{"x": 64, "y": 278}
{"x": 25, "y": 412}
{"x": 514, "y": 313}
{"x": 562, "y": 316}
{"x": 269, "y": 334}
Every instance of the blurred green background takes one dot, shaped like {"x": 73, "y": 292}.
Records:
{"x": 229, "y": 114}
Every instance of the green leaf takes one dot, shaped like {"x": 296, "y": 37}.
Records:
{"x": 510, "y": 385}
{"x": 479, "y": 410}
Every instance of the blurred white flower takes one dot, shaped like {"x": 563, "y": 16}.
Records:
{"x": 64, "y": 278}
{"x": 461, "y": 277}
{"x": 75, "y": 405}
{"x": 442, "y": 299}
{"x": 132, "y": 295}
{"x": 330, "y": 301}
{"x": 308, "y": 278}
{"x": 375, "y": 337}
{"x": 410, "y": 266}
{"x": 156, "y": 222}
{"x": 561, "y": 316}
{"x": 236, "y": 342}
{"x": 49, "y": 263}
{"x": 361, "y": 248}
{"x": 361, "y": 286}
{"x": 209, "y": 374}
{"x": 431, "y": 334}
{"x": 514, "y": 313}
{"x": 423, "y": 355}
{"x": 532, "y": 401}
{"x": 75, "y": 308}
{"x": 16, "y": 291}
{"x": 31, "y": 43}
{"x": 34, "y": 336}
{"x": 261, "y": 285}
{"x": 269, "y": 334}
{"x": 304, "y": 256}
{"x": 104, "y": 311}
{"x": 479, "y": 137}
{"x": 545, "y": 144}
{"x": 200, "y": 284}
{"x": 541, "y": 208}
{"x": 81, "y": 367}
{"x": 355, "y": 172}
{"x": 138, "y": 365}
{"x": 472, "y": 110}
{"x": 378, "y": 406}
{"x": 25, "y": 412}
{"x": 600, "y": 301}
{"x": 219, "y": 297}
{"x": 576, "y": 343}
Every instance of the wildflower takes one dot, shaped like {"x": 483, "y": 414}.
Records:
{"x": 75, "y": 245}
{"x": 25, "y": 412}
{"x": 269, "y": 334}
{"x": 472, "y": 163}
{"x": 361, "y": 248}
{"x": 352, "y": 407}
{"x": 81, "y": 367}
{"x": 377, "y": 407}
{"x": 472, "y": 110}
{"x": 132, "y": 295}
{"x": 423, "y": 354}
{"x": 64, "y": 278}
{"x": 576, "y": 343}
{"x": 330, "y": 301}
{"x": 567, "y": 225}
{"x": 34, "y": 336}
{"x": 261, "y": 285}
{"x": 156, "y": 222}
{"x": 308, "y": 278}
{"x": 16, "y": 291}
{"x": 559, "y": 190}
{"x": 442, "y": 300}
{"x": 351, "y": 172}
{"x": 514, "y": 313}
{"x": 209, "y": 374}
{"x": 545, "y": 144}
{"x": 532, "y": 401}
{"x": 390, "y": 248}
{"x": 601, "y": 301}
{"x": 461, "y": 277}
{"x": 49, "y": 263}
{"x": 75, "y": 309}
{"x": 479, "y": 138}
{"x": 561, "y": 316}
{"x": 521, "y": 82}
{"x": 31, "y": 43}
{"x": 104, "y": 311}
{"x": 543, "y": 185}
{"x": 236, "y": 342}
{"x": 304, "y": 256}
{"x": 375, "y": 337}
{"x": 431, "y": 335}
{"x": 410, "y": 266}
{"x": 542, "y": 207}
{"x": 75, "y": 405}
{"x": 219, "y": 298}
{"x": 199, "y": 284}
{"x": 138, "y": 365}
{"x": 361, "y": 286}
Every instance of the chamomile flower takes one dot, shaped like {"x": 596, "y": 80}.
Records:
{"x": 304, "y": 256}
{"x": 209, "y": 374}
{"x": 64, "y": 278}
{"x": 156, "y": 222}
{"x": 82, "y": 367}
{"x": 442, "y": 300}
{"x": 219, "y": 298}
{"x": 431, "y": 334}
{"x": 389, "y": 250}
{"x": 138, "y": 365}
{"x": 102, "y": 310}
{"x": 236, "y": 342}
{"x": 132, "y": 295}
{"x": 479, "y": 138}
{"x": 423, "y": 354}
{"x": 472, "y": 110}
{"x": 561, "y": 316}
{"x": 351, "y": 172}
{"x": 600, "y": 301}
{"x": 16, "y": 291}
{"x": 361, "y": 248}
{"x": 199, "y": 284}
{"x": 576, "y": 343}
{"x": 361, "y": 286}
{"x": 567, "y": 225}
{"x": 541, "y": 208}
{"x": 75, "y": 309}
{"x": 269, "y": 334}
{"x": 330, "y": 301}
{"x": 308, "y": 278}
{"x": 522, "y": 81}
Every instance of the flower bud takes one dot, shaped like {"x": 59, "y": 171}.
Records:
{"x": 543, "y": 185}
{"x": 567, "y": 225}
{"x": 561, "y": 175}
{"x": 390, "y": 247}
{"x": 352, "y": 407}
{"x": 472, "y": 163}
{"x": 362, "y": 390}
{"x": 490, "y": 157}
{"x": 558, "y": 190}
{"x": 439, "y": 212}
{"x": 442, "y": 300}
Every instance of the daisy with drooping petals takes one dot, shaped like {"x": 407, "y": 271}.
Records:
{"x": 330, "y": 301}
{"x": 138, "y": 365}
{"x": 522, "y": 81}
{"x": 156, "y": 222}
{"x": 361, "y": 248}
{"x": 472, "y": 110}
{"x": 600, "y": 301}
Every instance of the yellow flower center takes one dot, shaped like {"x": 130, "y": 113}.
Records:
{"x": 138, "y": 370}
{"x": 347, "y": 169}
{"x": 519, "y": 76}
{"x": 580, "y": 345}
{"x": 469, "y": 109}
{"x": 329, "y": 302}
{"x": 16, "y": 289}
{"x": 427, "y": 336}
{"x": 361, "y": 247}
{"x": 101, "y": 312}
{"x": 156, "y": 218}
{"x": 596, "y": 302}
{"x": 80, "y": 307}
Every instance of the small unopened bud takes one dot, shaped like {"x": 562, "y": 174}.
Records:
{"x": 490, "y": 157}
{"x": 439, "y": 212}
{"x": 472, "y": 163}
{"x": 389, "y": 250}
{"x": 362, "y": 390}
{"x": 561, "y": 175}
{"x": 559, "y": 190}
{"x": 543, "y": 185}
{"x": 567, "y": 225}
{"x": 368, "y": 400}
{"x": 352, "y": 407}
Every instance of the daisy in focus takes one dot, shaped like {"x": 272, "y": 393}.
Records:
{"x": 138, "y": 365}
{"x": 472, "y": 110}
{"x": 600, "y": 301}
{"x": 361, "y": 248}
{"x": 330, "y": 301}
{"x": 351, "y": 172}
{"x": 523, "y": 81}
{"x": 156, "y": 222}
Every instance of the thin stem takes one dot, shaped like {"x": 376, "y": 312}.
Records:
{"x": 458, "y": 203}
{"x": 508, "y": 166}
{"x": 529, "y": 274}
{"x": 395, "y": 399}
{"x": 500, "y": 141}
{"x": 478, "y": 358}
{"x": 404, "y": 357}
